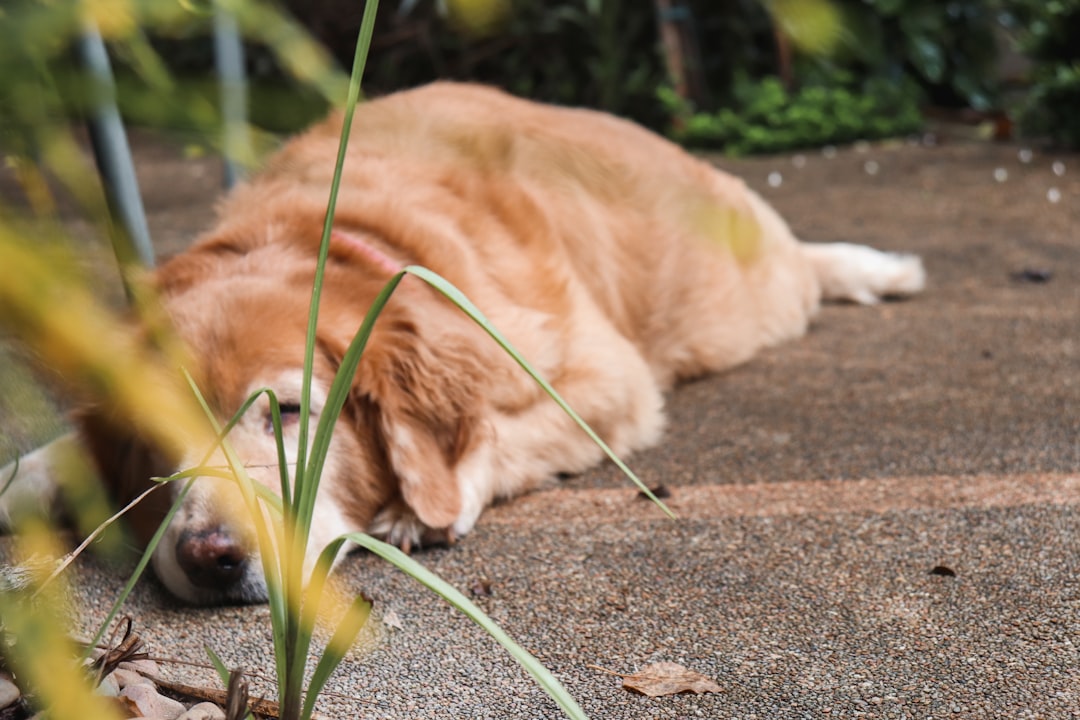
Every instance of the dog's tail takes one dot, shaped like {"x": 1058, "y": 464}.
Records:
{"x": 862, "y": 274}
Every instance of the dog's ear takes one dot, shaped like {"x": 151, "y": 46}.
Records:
{"x": 424, "y": 370}
{"x": 126, "y": 463}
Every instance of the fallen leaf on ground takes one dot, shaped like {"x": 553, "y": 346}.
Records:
{"x": 667, "y": 678}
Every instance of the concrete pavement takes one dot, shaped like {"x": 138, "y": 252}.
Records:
{"x": 818, "y": 487}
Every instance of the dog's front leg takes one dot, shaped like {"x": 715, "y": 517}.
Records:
{"x": 31, "y": 485}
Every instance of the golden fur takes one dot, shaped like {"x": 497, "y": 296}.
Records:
{"x": 613, "y": 260}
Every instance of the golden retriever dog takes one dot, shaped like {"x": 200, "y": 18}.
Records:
{"x": 614, "y": 261}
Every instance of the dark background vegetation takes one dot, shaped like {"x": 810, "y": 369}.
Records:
{"x": 892, "y": 60}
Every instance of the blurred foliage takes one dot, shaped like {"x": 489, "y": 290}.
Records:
{"x": 1049, "y": 32}
{"x": 771, "y": 119}
{"x": 45, "y": 302}
{"x": 34, "y": 645}
{"x": 813, "y": 26}
{"x": 160, "y": 50}
{"x": 604, "y": 53}
{"x": 595, "y": 53}
{"x": 949, "y": 48}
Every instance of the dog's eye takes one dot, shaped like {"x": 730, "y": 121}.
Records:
{"x": 290, "y": 414}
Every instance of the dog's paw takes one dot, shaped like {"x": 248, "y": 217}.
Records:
{"x": 398, "y": 525}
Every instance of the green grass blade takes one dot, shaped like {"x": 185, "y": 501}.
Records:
{"x": 11, "y": 478}
{"x": 356, "y": 616}
{"x": 344, "y": 635}
{"x": 223, "y": 672}
{"x": 275, "y": 419}
{"x": 279, "y": 440}
{"x": 272, "y": 573}
{"x": 265, "y": 494}
{"x": 298, "y": 516}
{"x": 458, "y": 298}
{"x": 309, "y": 610}
{"x": 449, "y": 593}
{"x": 219, "y": 666}
{"x": 335, "y": 401}
{"x": 338, "y": 394}
{"x": 363, "y": 44}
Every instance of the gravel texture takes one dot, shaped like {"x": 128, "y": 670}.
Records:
{"x": 819, "y": 487}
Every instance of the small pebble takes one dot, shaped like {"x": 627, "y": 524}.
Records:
{"x": 1033, "y": 275}
{"x": 109, "y": 687}
{"x": 9, "y": 691}
{"x": 1001, "y": 174}
{"x": 799, "y": 161}
{"x": 203, "y": 711}
{"x": 775, "y": 179}
{"x": 871, "y": 167}
{"x": 1053, "y": 195}
{"x": 1025, "y": 155}
{"x": 147, "y": 667}
{"x": 1058, "y": 167}
{"x": 126, "y": 678}
{"x": 861, "y": 146}
{"x": 153, "y": 704}
{"x": 829, "y": 151}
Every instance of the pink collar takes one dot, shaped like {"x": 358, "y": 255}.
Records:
{"x": 366, "y": 250}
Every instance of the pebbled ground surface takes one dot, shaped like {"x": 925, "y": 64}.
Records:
{"x": 818, "y": 488}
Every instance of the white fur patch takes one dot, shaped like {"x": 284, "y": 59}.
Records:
{"x": 36, "y": 478}
{"x": 862, "y": 274}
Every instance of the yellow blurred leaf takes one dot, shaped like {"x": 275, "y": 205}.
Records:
{"x": 814, "y": 26}
{"x": 478, "y": 17}
{"x": 44, "y": 657}
{"x": 95, "y": 354}
{"x": 112, "y": 18}
{"x": 734, "y": 227}
{"x": 32, "y": 181}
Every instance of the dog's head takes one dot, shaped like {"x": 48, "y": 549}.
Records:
{"x": 414, "y": 408}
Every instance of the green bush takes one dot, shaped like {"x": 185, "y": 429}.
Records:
{"x": 768, "y": 119}
{"x": 593, "y": 53}
{"x": 948, "y": 48}
{"x": 1048, "y": 33}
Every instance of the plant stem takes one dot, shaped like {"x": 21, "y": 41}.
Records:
{"x": 298, "y": 514}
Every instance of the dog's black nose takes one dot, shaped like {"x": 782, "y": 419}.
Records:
{"x": 211, "y": 558}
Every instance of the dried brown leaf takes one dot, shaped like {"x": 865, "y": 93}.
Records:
{"x": 667, "y": 678}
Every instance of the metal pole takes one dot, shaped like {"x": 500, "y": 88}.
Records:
{"x": 113, "y": 155}
{"x": 229, "y": 60}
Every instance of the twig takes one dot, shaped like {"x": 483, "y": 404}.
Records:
{"x": 259, "y": 676}
{"x": 237, "y": 697}
{"x": 259, "y": 706}
{"x": 609, "y": 672}
{"x": 128, "y": 648}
